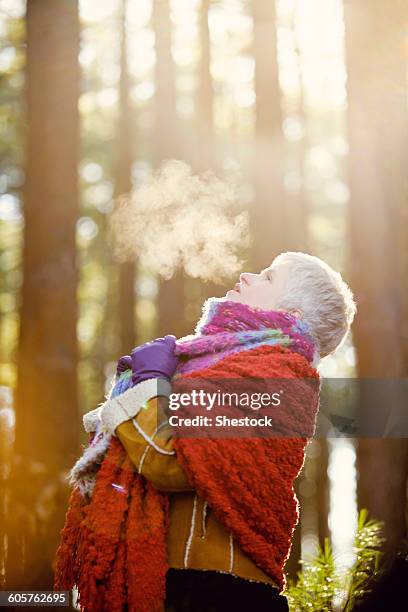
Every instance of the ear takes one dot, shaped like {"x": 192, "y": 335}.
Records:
{"x": 296, "y": 312}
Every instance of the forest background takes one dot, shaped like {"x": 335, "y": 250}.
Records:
{"x": 306, "y": 103}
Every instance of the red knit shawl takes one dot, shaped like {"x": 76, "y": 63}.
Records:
{"x": 114, "y": 547}
{"x": 248, "y": 482}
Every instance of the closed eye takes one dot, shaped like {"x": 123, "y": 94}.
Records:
{"x": 268, "y": 274}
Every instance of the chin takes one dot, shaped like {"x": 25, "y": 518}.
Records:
{"x": 233, "y": 295}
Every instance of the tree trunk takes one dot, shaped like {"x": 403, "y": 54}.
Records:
{"x": 205, "y": 153}
{"x": 322, "y": 492}
{"x": 47, "y": 419}
{"x": 204, "y": 96}
{"x": 269, "y": 227}
{"x": 378, "y": 161}
{"x": 297, "y": 200}
{"x": 292, "y": 566}
{"x": 171, "y": 292}
{"x": 123, "y": 185}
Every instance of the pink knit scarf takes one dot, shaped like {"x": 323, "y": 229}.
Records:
{"x": 228, "y": 327}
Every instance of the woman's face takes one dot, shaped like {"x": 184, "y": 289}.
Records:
{"x": 261, "y": 290}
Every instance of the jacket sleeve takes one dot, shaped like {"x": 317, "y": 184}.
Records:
{"x": 148, "y": 441}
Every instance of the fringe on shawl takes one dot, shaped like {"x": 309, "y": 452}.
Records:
{"x": 113, "y": 563}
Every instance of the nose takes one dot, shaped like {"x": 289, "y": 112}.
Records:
{"x": 247, "y": 278}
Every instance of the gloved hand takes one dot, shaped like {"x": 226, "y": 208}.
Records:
{"x": 154, "y": 359}
{"x": 124, "y": 363}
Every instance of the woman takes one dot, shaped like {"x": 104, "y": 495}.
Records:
{"x": 204, "y": 523}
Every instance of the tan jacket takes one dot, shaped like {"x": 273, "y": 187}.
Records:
{"x": 196, "y": 539}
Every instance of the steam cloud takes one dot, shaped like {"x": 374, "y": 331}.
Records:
{"x": 180, "y": 220}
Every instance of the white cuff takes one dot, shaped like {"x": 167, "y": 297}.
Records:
{"x": 127, "y": 405}
{"x": 92, "y": 419}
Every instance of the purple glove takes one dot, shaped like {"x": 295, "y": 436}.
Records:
{"x": 154, "y": 359}
{"x": 124, "y": 363}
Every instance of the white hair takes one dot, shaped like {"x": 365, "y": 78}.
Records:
{"x": 326, "y": 301}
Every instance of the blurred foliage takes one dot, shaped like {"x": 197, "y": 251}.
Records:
{"x": 12, "y": 57}
{"x": 320, "y": 587}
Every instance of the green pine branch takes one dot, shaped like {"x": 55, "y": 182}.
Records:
{"x": 319, "y": 588}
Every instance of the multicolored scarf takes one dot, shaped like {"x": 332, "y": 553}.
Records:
{"x": 113, "y": 546}
{"x": 228, "y": 327}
